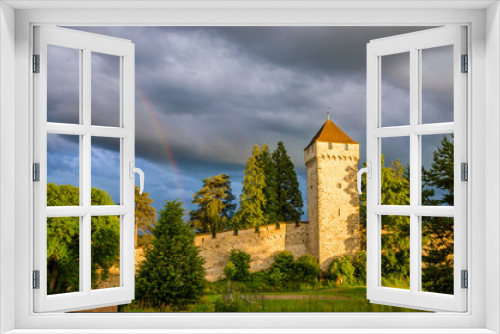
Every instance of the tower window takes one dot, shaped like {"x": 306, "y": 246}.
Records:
{"x": 346, "y": 147}
{"x": 330, "y": 146}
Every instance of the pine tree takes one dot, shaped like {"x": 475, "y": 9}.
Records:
{"x": 172, "y": 273}
{"x": 215, "y": 194}
{"x": 145, "y": 216}
{"x": 271, "y": 209}
{"x": 437, "y": 232}
{"x": 252, "y": 199}
{"x": 290, "y": 201}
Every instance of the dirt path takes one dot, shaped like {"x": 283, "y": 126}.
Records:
{"x": 294, "y": 297}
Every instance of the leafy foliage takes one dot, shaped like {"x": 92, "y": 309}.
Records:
{"x": 341, "y": 270}
{"x": 172, "y": 273}
{"x": 307, "y": 269}
{"x": 252, "y": 200}
{"x": 230, "y": 270}
{"x": 241, "y": 261}
{"x": 145, "y": 217}
{"x": 284, "y": 261}
{"x": 359, "y": 264}
{"x": 63, "y": 240}
{"x": 215, "y": 205}
{"x": 289, "y": 196}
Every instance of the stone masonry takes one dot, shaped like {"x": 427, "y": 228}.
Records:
{"x": 332, "y": 231}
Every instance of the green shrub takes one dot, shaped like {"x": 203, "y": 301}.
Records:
{"x": 276, "y": 277}
{"x": 226, "y": 305}
{"x": 341, "y": 270}
{"x": 307, "y": 269}
{"x": 230, "y": 270}
{"x": 284, "y": 262}
{"x": 241, "y": 261}
{"x": 359, "y": 264}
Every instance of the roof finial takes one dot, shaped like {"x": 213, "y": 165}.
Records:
{"x": 328, "y": 113}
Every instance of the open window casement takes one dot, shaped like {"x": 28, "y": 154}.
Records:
{"x": 414, "y": 131}
{"x": 79, "y": 219}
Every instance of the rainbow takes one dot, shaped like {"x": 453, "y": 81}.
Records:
{"x": 162, "y": 139}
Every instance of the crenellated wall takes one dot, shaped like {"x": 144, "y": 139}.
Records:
{"x": 262, "y": 246}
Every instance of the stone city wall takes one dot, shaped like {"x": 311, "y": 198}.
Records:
{"x": 262, "y": 246}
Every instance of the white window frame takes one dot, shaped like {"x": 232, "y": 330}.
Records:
{"x": 86, "y": 44}
{"x": 483, "y": 20}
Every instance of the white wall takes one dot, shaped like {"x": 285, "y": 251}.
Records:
{"x": 7, "y": 160}
{"x": 492, "y": 164}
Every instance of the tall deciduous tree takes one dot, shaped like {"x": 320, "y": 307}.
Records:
{"x": 63, "y": 240}
{"x": 396, "y": 237}
{"x": 289, "y": 196}
{"x": 252, "y": 199}
{"x": 145, "y": 217}
{"x": 215, "y": 204}
{"x": 437, "y": 232}
{"x": 172, "y": 273}
{"x": 271, "y": 208}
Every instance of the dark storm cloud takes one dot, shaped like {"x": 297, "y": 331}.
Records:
{"x": 206, "y": 95}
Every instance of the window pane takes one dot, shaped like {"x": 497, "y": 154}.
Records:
{"x": 395, "y": 243}
{"x": 105, "y": 171}
{"x": 63, "y": 255}
{"x": 63, "y": 85}
{"x": 105, "y": 90}
{"x": 105, "y": 252}
{"x": 437, "y": 254}
{"x": 395, "y": 89}
{"x": 437, "y": 84}
{"x": 395, "y": 173}
{"x": 437, "y": 170}
{"x": 63, "y": 170}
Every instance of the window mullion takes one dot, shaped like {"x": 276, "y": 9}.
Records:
{"x": 86, "y": 185}
{"x": 414, "y": 169}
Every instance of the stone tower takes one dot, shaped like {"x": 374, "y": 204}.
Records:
{"x": 331, "y": 160}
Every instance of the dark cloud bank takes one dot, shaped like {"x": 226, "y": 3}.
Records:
{"x": 206, "y": 95}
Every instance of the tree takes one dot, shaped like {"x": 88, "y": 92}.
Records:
{"x": 63, "y": 240}
{"x": 396, "y": 236}
{"x": 271, "y": 208}
{"x": 145, "y": 216}
{"x": 252, "y": 200}
{"x": 289, "y": 196}
{"x": 241, "y": 262}
{"x": 172, "y": 273}
{"x": 215, "y": 204}
{"x": 437, "y": 232}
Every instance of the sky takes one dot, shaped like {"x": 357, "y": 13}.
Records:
{"x": 206, "y": 95}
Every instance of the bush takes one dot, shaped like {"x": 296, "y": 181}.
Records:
{"x": 341, "y": 270}
{"x": 307, "y": 269}
{"x": 275, "y": 277}
{"x": 230, "y": 270}
{"x": 284, "y": 262}
{"x": 226, "y": 305}
{"x": 359, "y": 264}
{"x": 241, "y": 261}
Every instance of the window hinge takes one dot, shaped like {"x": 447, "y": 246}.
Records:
{"x": 465, "y": 279}
{"x": 465, "y": 64}
{"x": 36, "y": 279}
{"x": 36, "y": 172}
{"x": 36, "y": 63}
{"x": 464, "y": 171}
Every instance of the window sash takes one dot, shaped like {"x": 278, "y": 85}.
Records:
{"x": 87, "y": 43}
{"x": 413, "y": 43}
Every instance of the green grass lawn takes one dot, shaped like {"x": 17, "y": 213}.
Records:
{"x": 327, "y": 299}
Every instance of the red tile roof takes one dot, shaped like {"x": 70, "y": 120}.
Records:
{"x": 331, "y": 133}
